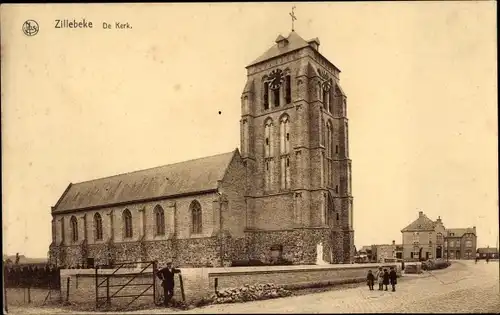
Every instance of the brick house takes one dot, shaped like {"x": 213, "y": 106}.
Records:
{"x": 287, "y": 188}
{"x": 423, "y": 238}
{"x": 461, "y": 243}
{"x": 427, "y": 239}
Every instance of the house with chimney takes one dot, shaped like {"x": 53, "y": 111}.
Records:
{"x": 427, "y": 239}
{"x": 461, "y": 243}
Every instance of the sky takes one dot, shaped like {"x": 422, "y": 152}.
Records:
{"x": 420, "y": 78}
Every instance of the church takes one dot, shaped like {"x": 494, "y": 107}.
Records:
{"x": 286, "y": 192}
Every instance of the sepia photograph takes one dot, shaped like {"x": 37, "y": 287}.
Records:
{"x": 253, "y": 157}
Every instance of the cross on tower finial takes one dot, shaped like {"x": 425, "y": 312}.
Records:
{"x": 292, "y": 14}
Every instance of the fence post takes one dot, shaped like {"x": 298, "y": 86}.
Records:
{"x": 108, "y": 301}
{"x": 96, "y": 288}
{"x": 154, "y": 281}
{"x": 182, "y": 288}
{"x": 67, "y": 289}
{"x": 29, "y": 294}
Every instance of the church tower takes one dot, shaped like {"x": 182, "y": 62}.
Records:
{"x": 294, "y": 143}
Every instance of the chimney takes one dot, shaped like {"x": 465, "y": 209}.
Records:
{"x": 393, "y": 242}
{"x": 314, "y": 43}
{"x": 420, "y": 214}
{"x": 439, "y": 219}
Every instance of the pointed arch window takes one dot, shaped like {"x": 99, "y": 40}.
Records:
{"x": 268, "y": 142}
{"x": 285, "y": 152}
{"x": 127, "y": 224}
{"x": 74, "y": 229}
{"x": 159, "y": 220}
{"x": 266, "y": 95}
{"x": 284, "y": 135}
{"x": 196, "y": 217}
{"x": 268, "y": 154}
{"x": 329, "y": 154}
{"x": 97, "y": 227}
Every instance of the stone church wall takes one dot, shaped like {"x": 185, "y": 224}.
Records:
{"x": 299, "y": 245}
{"x": 194, "y": 252}
{"x": 99, "y": 253}
{"x": 73, "y": 255}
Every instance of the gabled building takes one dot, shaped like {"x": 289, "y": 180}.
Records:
{"x": 461, "y": 243}
{"x": 423, "y": 238}
{"x": 426, "y": 239}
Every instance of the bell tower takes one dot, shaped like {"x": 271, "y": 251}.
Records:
{"x": 294, "y": 143}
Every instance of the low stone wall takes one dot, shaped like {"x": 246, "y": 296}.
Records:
{"x": 200, "y": 282}
{"x": 291, "y": 276}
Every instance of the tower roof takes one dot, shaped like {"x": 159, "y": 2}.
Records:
{"x": 293, "y": 42}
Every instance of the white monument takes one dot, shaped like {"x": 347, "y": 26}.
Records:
{"x": 319, "y": 255}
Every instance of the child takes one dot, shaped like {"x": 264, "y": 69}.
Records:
{"x": 393, "y": 279}
{"x": 370, "y": 279}
{"x": 380, "y": 279}
{"x": 386, "y": 279}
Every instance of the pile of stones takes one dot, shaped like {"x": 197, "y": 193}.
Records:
{"x": 249, "y": 293}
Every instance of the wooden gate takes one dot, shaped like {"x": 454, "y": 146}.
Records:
{"x": 102, "y": 281}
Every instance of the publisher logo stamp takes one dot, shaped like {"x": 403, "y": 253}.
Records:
{"x": 30, "y": 28}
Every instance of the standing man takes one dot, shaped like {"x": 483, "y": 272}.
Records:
{"x": 167, "y": 276}
{"x": 393, "y": 276}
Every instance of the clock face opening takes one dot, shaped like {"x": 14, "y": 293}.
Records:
{"x": 276, "y": 78}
